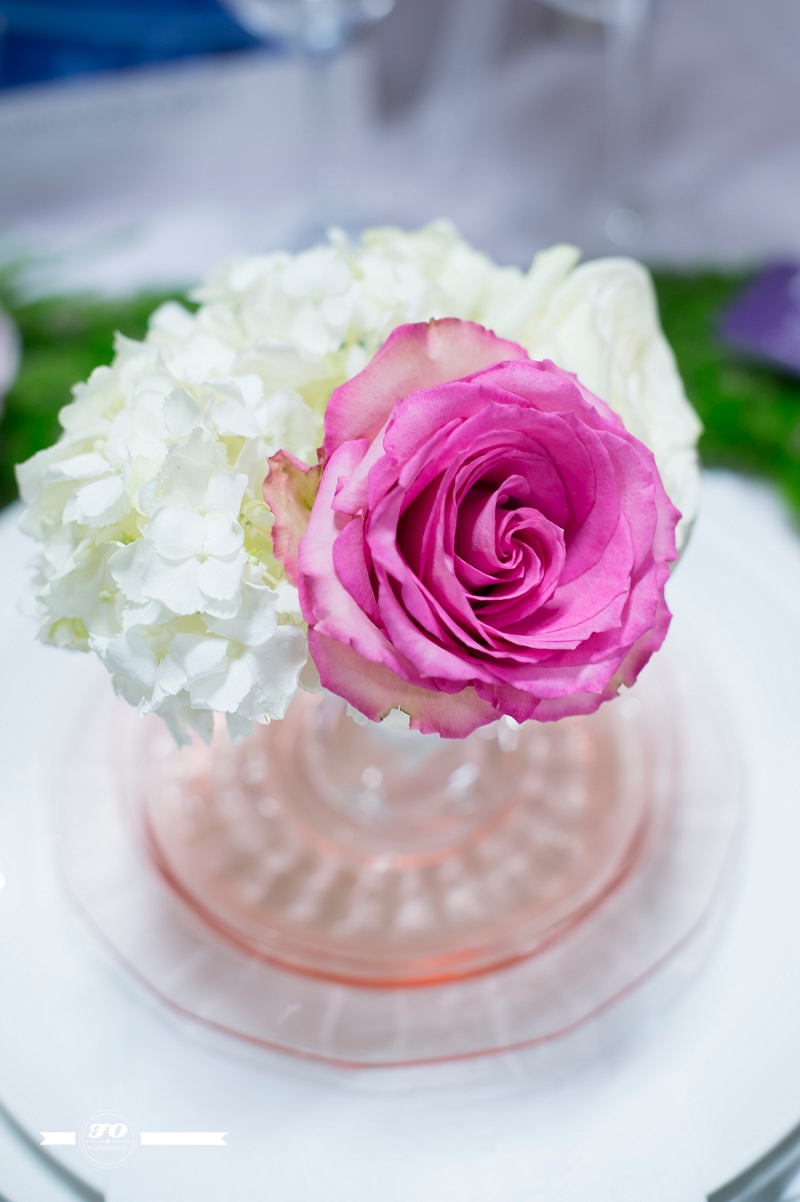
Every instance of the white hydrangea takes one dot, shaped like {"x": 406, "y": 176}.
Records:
{"x": 156, "y": 549}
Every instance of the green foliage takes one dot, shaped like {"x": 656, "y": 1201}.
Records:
{"x": 751, "y": 413}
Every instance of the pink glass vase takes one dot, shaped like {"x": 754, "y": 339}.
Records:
{"x": 437, "y": 897}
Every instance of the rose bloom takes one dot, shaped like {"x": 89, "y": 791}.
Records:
{"x": 486, "y": 539}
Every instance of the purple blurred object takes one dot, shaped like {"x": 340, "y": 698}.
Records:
{"x": 764, "y": 321}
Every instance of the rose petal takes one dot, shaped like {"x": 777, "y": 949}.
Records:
{"x": 374, "y": 690}
{"x": 413, "y": 357}
{"x": 324, "y": 600}
{"x": 289, "y": 490}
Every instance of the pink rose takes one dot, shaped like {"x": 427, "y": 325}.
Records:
{"x": 487, "y": 538}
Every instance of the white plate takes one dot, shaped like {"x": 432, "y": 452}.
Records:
{"x": 665, "y": 1105}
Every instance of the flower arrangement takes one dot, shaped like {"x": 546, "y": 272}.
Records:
{"x": 507, "y": 469}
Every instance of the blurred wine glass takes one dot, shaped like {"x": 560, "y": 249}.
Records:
{"x": 318, "y": 28}
{"x": 626, "y": 28}
{"x": 318, "y": 31}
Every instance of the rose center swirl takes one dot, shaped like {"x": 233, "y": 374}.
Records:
{"x": 506, "y": 555}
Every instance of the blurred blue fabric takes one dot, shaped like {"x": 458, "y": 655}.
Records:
{"x": 48, "y": 40}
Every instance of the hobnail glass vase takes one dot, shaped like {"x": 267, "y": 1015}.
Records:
{"x": 367, "y": 894}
